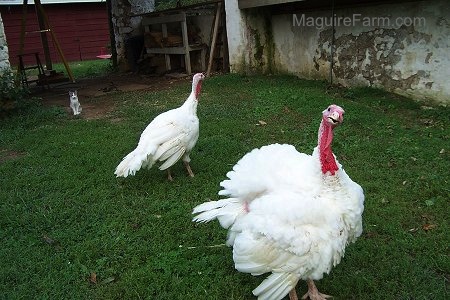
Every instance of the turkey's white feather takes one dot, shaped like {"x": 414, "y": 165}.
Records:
{"x": 170, "y": 136}
{"x": 285, "y": 216}
{"x": 226, "y": 211}
{"x": 276, "y": 286}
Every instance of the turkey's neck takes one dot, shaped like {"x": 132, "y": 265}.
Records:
{"x": 327, "y": 160}
{"x": 197, "y": 88}
{"x": 191, "y": 102}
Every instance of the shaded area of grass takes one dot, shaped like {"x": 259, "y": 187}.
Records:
{"x": 87, "y": 68}
{"x": 81, "y": 69}
{"x": 65, "y": 217}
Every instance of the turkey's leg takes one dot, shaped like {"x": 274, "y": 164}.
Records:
{"x": 188, "y": 168}
{"x": 169, "y": 175}
{"x": 293, "y": 295}
{"x": 313, "y": 292}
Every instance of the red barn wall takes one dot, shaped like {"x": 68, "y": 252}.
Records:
{"x": 81, "y": 29}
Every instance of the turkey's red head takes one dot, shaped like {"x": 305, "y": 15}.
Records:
{"x": 333, "y": 115}
{"x": 197, "y": 83}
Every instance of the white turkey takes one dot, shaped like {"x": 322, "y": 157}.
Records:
{"x": 289, "y": 213}
{"x": 169, "y": 137}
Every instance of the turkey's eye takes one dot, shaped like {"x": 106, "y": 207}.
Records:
{"x": 329, "y": 109}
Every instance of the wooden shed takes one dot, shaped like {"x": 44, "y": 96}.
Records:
{"x": 81, "y": 28}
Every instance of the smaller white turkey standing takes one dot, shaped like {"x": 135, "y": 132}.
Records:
{"x": 289, "y": 213}
{"x": 170, "y": 136}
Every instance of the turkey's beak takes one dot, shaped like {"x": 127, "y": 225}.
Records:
{"x": 335, "y": 118}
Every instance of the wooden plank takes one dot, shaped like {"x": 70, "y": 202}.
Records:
{"x": 43, "y": 33}
{"x": 187, "y": 56}
{"x": 203, "y": 58}
{"x": 163, "y": 19}
{"x": 214, "y": 38}
{"x": 55, "y": 40}
{"x": 184, "y": 50}
{"x": 173, "y": 50}
{"x": 242, "y": 4}
{"x": 23, "y": 26}
{"x": 166, "y": 56}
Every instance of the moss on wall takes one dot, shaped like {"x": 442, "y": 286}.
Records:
{"x": 260, "y": 47}
{"x": 270, "y": 44}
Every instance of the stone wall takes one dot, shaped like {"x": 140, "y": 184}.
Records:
{"x": 127, "y": 25}
{"x": 4, "y": 56}
{"x": 403, "y": 47}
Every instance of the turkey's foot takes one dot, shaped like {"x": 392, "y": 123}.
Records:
{"x": 293, "y": 295}
{"x": 313, "y": 292}
{"x": 169, "y": 175}
{"x": 188, "y": 168}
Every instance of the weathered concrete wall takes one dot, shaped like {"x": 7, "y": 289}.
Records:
{"x": 127, "y": 25}
{"x": 250, "y": 41}
{"x": 4, "y": 56}
{"x": 402, "y": 48}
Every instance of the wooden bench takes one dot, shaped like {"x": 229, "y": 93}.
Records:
{"x": 185, "y": 49}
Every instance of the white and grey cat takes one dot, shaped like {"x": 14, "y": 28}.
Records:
{"x": 74, "y": 103}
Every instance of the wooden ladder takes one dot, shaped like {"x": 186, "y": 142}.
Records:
{"x": 44, "y": 27}
{"x": 41, "y": 77}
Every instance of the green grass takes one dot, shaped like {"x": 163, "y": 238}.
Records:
{"x": 86, "y": 68}
{"x": 64, "y": 216}
{"x": 82, "y": 69}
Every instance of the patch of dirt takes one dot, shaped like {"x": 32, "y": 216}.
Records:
{"x": 8, "y": 155}
{"x": 93, "y": 93}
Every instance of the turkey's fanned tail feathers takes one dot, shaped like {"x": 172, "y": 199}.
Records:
{"x": 133, "y": 162}
{"x": 226, "y": 211}
{"x": 256, "y": 174}
{"x": 276, "y": 286}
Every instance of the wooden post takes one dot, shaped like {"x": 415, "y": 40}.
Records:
{"x": 166, "y": 56}
{"x": 226, "y": 59}
{"x": 58, "y": 47}
{"x": 43, "y": 32}
{"x": 22, "y": 39}
{"x": 23, "y": 25}
{"x": 214, "y": 37}
{"x": 112, "y": 37}
{"x": 187, "y": 55}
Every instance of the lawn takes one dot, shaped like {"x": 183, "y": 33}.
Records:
{"x": 84, "y": 69}
{"x": 71, "y": 230}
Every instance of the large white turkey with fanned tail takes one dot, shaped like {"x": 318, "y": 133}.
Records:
{"x": 169, "y": 137}
{"x": 289, "y": 213}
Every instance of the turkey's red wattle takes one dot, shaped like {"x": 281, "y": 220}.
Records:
{"x": 198, "y": 88}
{"x": 327, "y": 161}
